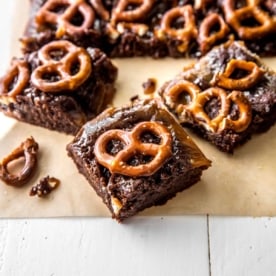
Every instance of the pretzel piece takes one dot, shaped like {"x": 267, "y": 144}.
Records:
{"x": 62, "y": 67}
{"x": 62, "y": 21}
{"x": 172, "y": 95}
{"x": 205, "y": 39}
{"x": 245, "y": 113}
{"x": 184, "y": 34}
{"x": 195, "y": 109}
{"x": 100, "y": 9}
{"x": 15, "y": 79}
{"x": 28, "y": 150}
{"x": 121, "y": 14}
{"x": 133, "y": 145}
{"x": 254, "y": 74}
{"x": 235, "y": 17}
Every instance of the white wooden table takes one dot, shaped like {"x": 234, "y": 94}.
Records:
{"x": 143, "y": 246}
{"x": 218, "y": 246}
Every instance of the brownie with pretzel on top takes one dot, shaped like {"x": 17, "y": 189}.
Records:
{"x": 136, "y": 156}
{"x": 227, "y": 96}
{"x": 59, "y": 87}
{"x": 125, "y": 28}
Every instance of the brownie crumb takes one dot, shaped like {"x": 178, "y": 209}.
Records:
{"x": 45, "y": 186}
{"x": 134, "y": 98}
{"x": 150, "y": 86}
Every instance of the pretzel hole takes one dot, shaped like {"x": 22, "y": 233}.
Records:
{"x": 59, "y": 8}
{"x": 239, "y": 73}
{"x": 51, "y": 76}
{"x": 149, "y": 137}
{"x": 183, "y": 98}
{"x": 15, "y": 166}
{"x": 250, "y": 21}
{"x": 114, "y": 146}
{"x": 139, "y": 159}
{"x": 77, "y": 19}
{"x": 214, "y": 28}
{"x": 212, "y": 107}
{"x": 57, "y": 54}
{"x": 177, "y": 23}
{"x": 75, "y": 67}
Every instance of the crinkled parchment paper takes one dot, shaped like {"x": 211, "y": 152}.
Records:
{"x": 239, "y": 184}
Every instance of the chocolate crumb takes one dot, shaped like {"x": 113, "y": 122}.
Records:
{"x": 45, "y": 186}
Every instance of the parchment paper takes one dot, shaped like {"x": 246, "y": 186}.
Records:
{"x": 239, "y": 184}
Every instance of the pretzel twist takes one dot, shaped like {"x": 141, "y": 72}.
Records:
{"x": 67, "y": 80}
{"x": 235, "y": 17}
{"x": 134, "y": 145}
{"x": 100, "y": 9}
{"x": 201, "y": 4}
{"x": 62, "y": 21}
{"x": 15, "y": 79}
{"x": 254, "y": 74}
{"x": 205, "y": 39}
{"x": 123, "y": 20}
{"x": 184, "y": 34}
{"x": 28, "y": 150}
{"x": 194, "y": 110}
{"x": 121, "y": 14}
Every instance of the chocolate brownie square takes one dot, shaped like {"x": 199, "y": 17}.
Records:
{"x": 60, "y": 86}
{"x": 125, "y": 28}
{"x": 225, "y": 97}
{"x": 136, "y": 157}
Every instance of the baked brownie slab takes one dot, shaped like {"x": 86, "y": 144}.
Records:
{"x": 136, "y": 157}
{"x": 226, "y": 96}
{"x": 60, "y": 86}
{"x": 124, "y": 28}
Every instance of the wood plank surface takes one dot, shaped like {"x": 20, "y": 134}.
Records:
{"x": 100, "y": 246}
{"x": 242, "y": 246}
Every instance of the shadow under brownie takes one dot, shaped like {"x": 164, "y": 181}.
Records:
{"x": 225, "y": 97}
{"x": 136, "y": 157}
{"x": 59, "y": 87}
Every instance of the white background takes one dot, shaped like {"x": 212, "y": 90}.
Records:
{"x": 218, "y": 246}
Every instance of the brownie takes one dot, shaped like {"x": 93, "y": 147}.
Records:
{"x": 59, "y": 87}
{"x": 136, "y": 157}
{"x": 226, "y": 96}
{"x": 178, "y": 28}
